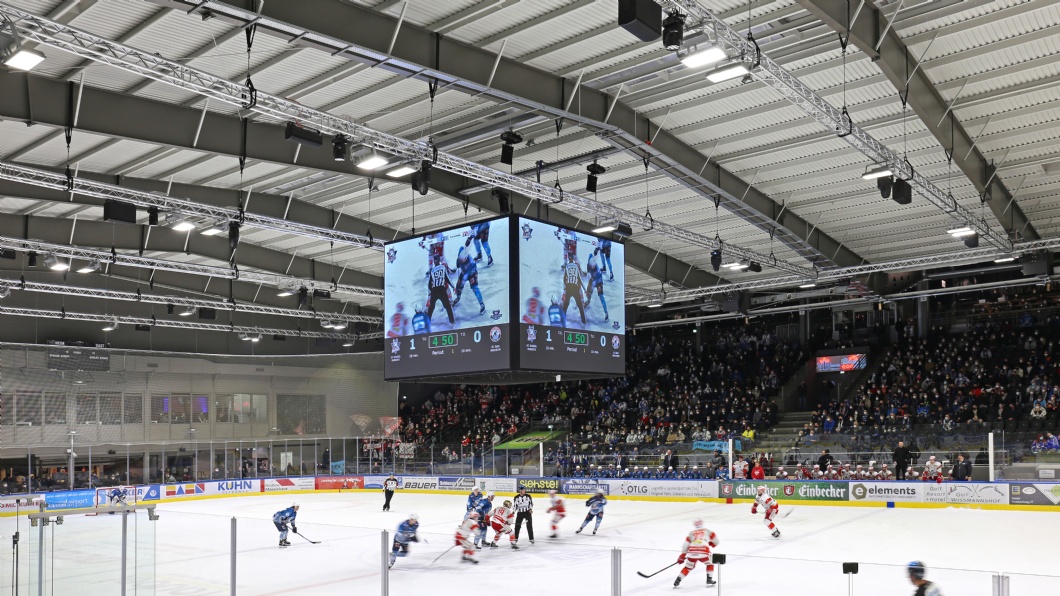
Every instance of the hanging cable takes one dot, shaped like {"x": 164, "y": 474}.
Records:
{"x": 250, "y": 96}
{"x": 647, "y": 202}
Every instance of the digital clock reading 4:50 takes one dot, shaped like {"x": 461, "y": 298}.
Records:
{"x": 447, "y": 340}
{"x": 577, "y": 339}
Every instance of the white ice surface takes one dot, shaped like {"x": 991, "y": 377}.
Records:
{"x": 962, "y": 548}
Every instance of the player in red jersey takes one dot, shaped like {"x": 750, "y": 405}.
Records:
{"x": 770, "y": 508}
{"x": 399, "y": 323}
{"x": 501, "y": 521}
{"x": 535, "y": 309}
{"x": 696, "y": 549}
{"x": 558, "y": 509}
{"x": 465, "y": 537}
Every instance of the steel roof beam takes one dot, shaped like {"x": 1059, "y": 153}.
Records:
{"x": 902, "y": 69}
{"x": 361, "y": 34}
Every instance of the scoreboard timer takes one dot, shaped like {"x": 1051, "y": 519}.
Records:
{"x": 576, "y": 339}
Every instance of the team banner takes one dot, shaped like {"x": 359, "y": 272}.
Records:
{"x": 717, "y": 445}
{"x": 966, "y": 493}
{"x": 1034, "y": 494}
{"x": 894, "y": 492}
{"x": 801, "y": 491}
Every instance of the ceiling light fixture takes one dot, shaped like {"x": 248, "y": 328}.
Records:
{"x": 877, "y": 172}
{"x": 402, "y": 170}
{"x": 338, "y": 325}
{"x": 19, "y": 58}
{"x": 179, "y": 223}
{"x": 808, "y": 285}
{"x": 347, "y": 344}
{"x": 961, "y": 232}
{"x": 187, "y": 312}
{"x": 112, "y": 325}
{"x": 89, "y": 267}
{"x": 288, "y": 291}
{"x": 372, "y": 162}
{"x": 218, "y": 228}
{"x": 737, "y": 266}
{"x": 727, "y": 72}
{"x": 673, "y": 31}
{"x": 604, "y": 228}
{"x": 340, "y": 147}
{"x": 704, "y": 57}
{"x": 55, "y": 263}
{"x": 1005, "y": 259}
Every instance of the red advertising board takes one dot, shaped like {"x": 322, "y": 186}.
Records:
{"x": 339, "y": 482}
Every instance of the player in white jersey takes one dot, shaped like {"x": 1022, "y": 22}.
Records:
{"x": 859, "y": 473}
{"x": 770, "y": 508}
{"x": 739, "y": 468}
{"x": 696, "y": 549}
{"x": 501, "y": 520}
{"x": 781, "y": 474}
{"x": 885, "y": 474}
{"x": 845, "y": 473}
{"x": 465, "y": 536}
{"x": 558, "y": 509}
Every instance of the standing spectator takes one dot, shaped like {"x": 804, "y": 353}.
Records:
{"x": 962, "y": 470}
{"x": 901, "y": 460}
{"x": 389, "y": 486}
{"x": 825, "y": 460}
{"x": 668, "y": 459}
{"x": 923, "y": 586}
{"x": 524, "y": 510}
{"x": 914, "y": 452}
{"x": 758, "y": 472}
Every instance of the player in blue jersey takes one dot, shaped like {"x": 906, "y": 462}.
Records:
{"x": 472, "y": 499}
{"x": 483, "y": 508}
{"x": 556, "y": 316}
{"x": 468, "y": 269}
{"x": 596, "y": 280}
{"x": 420, "y": 323}
{"x": 438, "y": 284}
{"x": 116, "y": 498}
{"x": 282, "y": 518}
{"x": 596, "y": 505}
{"x": 481, "y": 233}
{"x": 572, "y": 286}
{"x": 605, "y": 258}
{"x": 405, "y": 533}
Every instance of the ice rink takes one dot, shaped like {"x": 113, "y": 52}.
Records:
{"x": 961, "y": 547}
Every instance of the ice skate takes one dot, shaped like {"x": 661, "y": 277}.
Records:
{"x": 553, "y": 536}
{"x": 393, "y": 559}
{"x": 594, "y": 531}
{"x": 607, "y": 317}
{"x": 457, "y": 301}
{"x": 531, "y": 542}
{"x": 493, "y": 545}
{"x": 677, "y": 582}
{"x": 776, "y": 534}
{"x": 710, "y": 582}
{"x": 578, "y": 531}
{"x": 469, "y": 559}
{"x": 481, "y": 307}
{"x": 515, "y": 546}
{"x": 489, "y": 262}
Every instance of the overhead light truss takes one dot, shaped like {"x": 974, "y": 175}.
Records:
{"x": 184, "y": 303}
{"x": 177, "y": 324}
{"x": 803, "y": 97}
{"x": 179, "y": 206}
{"x": 270, "y": 279}
{"x": 151, "y": 66}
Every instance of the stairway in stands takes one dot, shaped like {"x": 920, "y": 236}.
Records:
{"x": 782, "y": 436}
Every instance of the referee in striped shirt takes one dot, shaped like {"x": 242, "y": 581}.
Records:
{"x": 524, "y": 510}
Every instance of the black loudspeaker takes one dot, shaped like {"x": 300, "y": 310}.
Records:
{"x": 850, "y": 568}
{"x": 642, "y": 18}
{"x": 972, "y": 241}
{"x": 902, "y": 192}
{"x": 303, "y": 136}
{"x": 207, "y": 313}
{"x": 1037, "y": 263}
{"x": 717, "y": 558}
{"x": 507, "y": 154}
{"x": 119, "y": 211}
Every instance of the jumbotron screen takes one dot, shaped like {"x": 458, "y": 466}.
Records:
{"x": 446, "y": 302}
{"x": 841, "y": 363}
{"x": 572, "y": 300}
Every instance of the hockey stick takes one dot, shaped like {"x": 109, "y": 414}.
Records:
{"x": 786, "y": 513}
{"x": 443, "y": 554}
{"x": 311, "y": 541}
{"x": 642, "y": 574}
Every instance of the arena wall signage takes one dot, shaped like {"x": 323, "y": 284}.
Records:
{"x": 456, "y": 484}
{"x": 541, "y": 484}
{"x": 71, "y": 499}
{"x": 497, "y": 485}
{"x": 966, "y": 493}
{"x": 419, "y": 483}
{"x": 20, "y": 503}
{"x": 585, "y": 486}
{"x": 704, "y": 489}
{"x": 339, "y": 482}
{"x": 717, "y": 445}
{"x": 1034, "y": 494}
{"x": 279, "y": 485}
{"x": 800, "y": 491}
{"x": 893, "y": 492}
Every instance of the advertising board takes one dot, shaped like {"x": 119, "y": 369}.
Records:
{"x": 705, "y": 489}
{"x": 234, "y": 487}
{"x": 585, "y": 486}
{"x": 498, "y": 485}
{"x": 540, "y": 485}
{"x": 897, "y": 492}
{"x": 1034, "y": 494}
{"x": 374, "y": 481}
{"x": 21, "y": 503}
{"x": 70, "y": 499}
{"x": 462, "y": 484}
{"x": 418, "y": 483}
{"x": 966, "y": 493}
{"x": 279, "y": 485}
{"x": 801, "y": 491}
{"x": 339, "y": 482}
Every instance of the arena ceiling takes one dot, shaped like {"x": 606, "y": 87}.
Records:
{"x": 963, "y": 92}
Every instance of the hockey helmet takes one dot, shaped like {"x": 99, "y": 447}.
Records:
{"x": 554, "y": 298}
{"x": 761, "y": 488}
{"x": 414, "y": 519}
{"x": 400, "y": 307}
{"x": 916, "y": 570}
{"x": 294, "y": 506}
{"x": 490, "y": 496}
{"x": 476, "y": 490}
{"x": 536, "y": 292}
{"x": 697, "y": 523}
{"x": 507, "y": 503}
{"x": 419, "y": 308}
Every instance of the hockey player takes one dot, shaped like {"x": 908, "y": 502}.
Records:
{"x": 846, "y": 474}
{"x": 781, "y": 474}
{"x": 596, "y": 504}
{"x": 535, "y": 309}
{"x": 482, "y": 241}
{"x": 557, "y": 317}
{"x": 923, "y": 586}
{"x": 596, "y": 280}
{"x": 473, "y": 499}
{"x": 399, "y": 323}
{"x": 116, "y": 498}
{"x": 435, "y": 245}
{"x": 558, "y": 510}
{"x": 572, "y": 286}
{"x": 405, "y": 533}
{"x": 859, "y": 473}
{"x": 284, "y": 517}
{"x": 578, "y": 472}
{"x": 569, "y": 238}
{"x": 483, "y": 508}
{"x": 739, "y": 468}
{"x": 501, "y": 521}
{"x": 770, "y": 508}
{"x": 468, "y": 271}
{"x": 605, "y": 258}
{"x": 421, "y": 325}
{"x": 870, "y": 473}
{"x": 466, "y": 534}
{"x": 438, "y": 284}
{"x": 885, "y": 474}
{"x": 696, "y": 549}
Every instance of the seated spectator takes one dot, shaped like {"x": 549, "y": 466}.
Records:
{"x": 1038, "y": 412}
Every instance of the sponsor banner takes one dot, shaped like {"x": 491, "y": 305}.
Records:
{"x": 585, "y": 486}
{"x": 802, "y": 491}
{"x": 28, "y": 503}
{"x": 339, "y": 482}
{"x": 374, "y": 481}
{"x": 172, "y": 491}
{"x": 498, "y": 485}
{"x": 234, "y": 487}
{"x": 338, "y": 467}
{"x": 966, "y": 493}
{"x": 276, "y": 485}
{"x": 704, "y": 489}
{"x": 150, "y": 492}
{"x": 898, "y": 492}
{"x": 541, "y": 485}
{"x": 70, "y": 499}
{"x": 420, "y": 483}
{"x": 1034, "y": 494}
{"x": 456, "y": 483}
{"x": 722, "y": 446}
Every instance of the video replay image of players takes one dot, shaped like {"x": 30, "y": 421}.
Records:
{"x": 448, "y": 280}
{"x": 570, "y": 279}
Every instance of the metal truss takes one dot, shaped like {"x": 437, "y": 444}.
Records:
{"x": 45, "y": 179}
{"x": 843, "y": 273}
{"x": 63, "y": 290}
{"x": 91, "y": 47}
{"x": 270, "y": 279}
{"x": 76, "y": 316}
{"x": 802, "y": 96}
